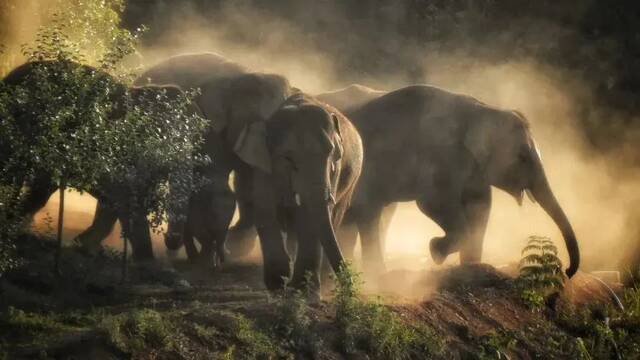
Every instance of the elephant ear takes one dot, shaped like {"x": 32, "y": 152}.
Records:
{"x": 479, "y": 140}
{"x": 251, "y": 146}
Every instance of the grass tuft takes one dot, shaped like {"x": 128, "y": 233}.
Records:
{"x": 372, "y": 327}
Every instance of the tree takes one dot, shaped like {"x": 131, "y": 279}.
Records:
{"x": 64, "y": 114}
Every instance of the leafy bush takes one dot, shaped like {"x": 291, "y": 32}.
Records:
{"x": 294, "y": 322}
{"x": 85, "y": 130}
{"x": 374, "y": 328}
{"x": 138, "y": 331}
{"x": 540, "y": 272}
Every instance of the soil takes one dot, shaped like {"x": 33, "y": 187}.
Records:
{"x": 475, "y": 309}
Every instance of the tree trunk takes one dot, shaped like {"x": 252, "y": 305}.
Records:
{"x": 61, "y": 190}
{"x": 125, "y": 239}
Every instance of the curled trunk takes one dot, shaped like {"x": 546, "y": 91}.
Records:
{"x": 542, "y": 192}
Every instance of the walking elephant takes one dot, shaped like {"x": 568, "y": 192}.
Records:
{"x": 445, "y": 151}
{"x": 242, "y": 236}
{"x": 40, "y": 186}
{"x": 306, "y": 160}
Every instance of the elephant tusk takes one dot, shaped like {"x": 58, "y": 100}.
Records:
{"x": 298, "y": 201}
{"x": 530, "y": 195}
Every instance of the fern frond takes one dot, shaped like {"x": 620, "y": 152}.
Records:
{"x": 530, "y": 248}
{"x": 550, "y": 248}
{"x": 531, "y": 259}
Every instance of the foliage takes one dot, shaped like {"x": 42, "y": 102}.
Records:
{"x": 496, "y": 343}
{"x": 80, "y": 127}
{"x": 255, "y": 344}
{"x": 29, "y": 324}
{"x": 374, "y": 328}
{"x": 10, "y": 226}
{"x": 138, "y": 330}
{"x": 90, "y": 27}
{"x": 294, "y": 322}
{"x": 155, "y": 143}
{"x": 540, "y": 271}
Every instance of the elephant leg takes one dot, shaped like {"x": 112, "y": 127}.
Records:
{"x": 136, "y": 229}
{"x": 348, "y": 235}
{"x": 189, "y": 244}
{"x": 306, "y": 271}
{"x": 242, "y": 236}
{"x": 477, "y": 205}
{"x": 385, "y": 223}
{"x": 215, "y": 215}
{"x": 368, "y": 221}
{"x": 292, "y": 244}
{"x": 40, "y": 190}
{"x": 104, "y": 220}
{"x": 450, "y": 216}
{"x": 276, "y": 259}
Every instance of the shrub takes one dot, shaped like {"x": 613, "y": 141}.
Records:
{"x": 540, "y": 272}
{"x": 294, "y": 322}
{"x": 373, "y": 327}
{"x": 138, "y": 331}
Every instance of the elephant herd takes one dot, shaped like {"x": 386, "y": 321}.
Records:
{"x": 311, "y": 173}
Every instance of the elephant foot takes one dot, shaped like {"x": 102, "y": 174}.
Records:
{"x": 275, "y": 275}
{"x": 439, "y": 249}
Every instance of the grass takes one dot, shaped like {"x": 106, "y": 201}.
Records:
{"x": 139, "y": 330}
{"x": 372, "y": 327}
{"x": 295, "y": 325}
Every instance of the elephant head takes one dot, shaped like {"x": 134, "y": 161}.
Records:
{"x": 502, "y": 145}
{"x": 301, "y": 147}
{"x": 234, "y": 102}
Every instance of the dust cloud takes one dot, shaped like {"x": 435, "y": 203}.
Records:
{"x": 596, "y": 190}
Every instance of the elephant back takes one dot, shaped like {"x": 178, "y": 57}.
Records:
{"x": 190, "y": 71}
{"x": 350, "y": 97}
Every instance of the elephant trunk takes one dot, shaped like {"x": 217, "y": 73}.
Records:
{"x": 542, "y": 192}
{"x": 319, "y": 209}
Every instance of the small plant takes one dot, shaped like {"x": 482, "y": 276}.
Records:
{"x": 138, "y": 330}
{"x": 30, "y": 324}
{"x": 496, "y": 343}
{"x": 294, "y": 322}
{"x": 373, "y": 327}
{"x": 540, "y": 272}
{"x": 255, "y": 344}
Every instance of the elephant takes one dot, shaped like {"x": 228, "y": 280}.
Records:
{"x": 350, "y": 97}
{"x": 230, "y": 100}
{"x": 344, "y": 99}
{"x": 445, "y": 151}
{"x": 41, "y": 186}
{"x": 306, "y": 161}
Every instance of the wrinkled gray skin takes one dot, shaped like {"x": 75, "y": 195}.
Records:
{"x": 303, "y": 186}
{"x": 231, "y": 99}
{"x": 445, "y": 151}
{"x": 243, "y": 235}
{"x": 41, "y": 187}
{"x": 350, "y": 97}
